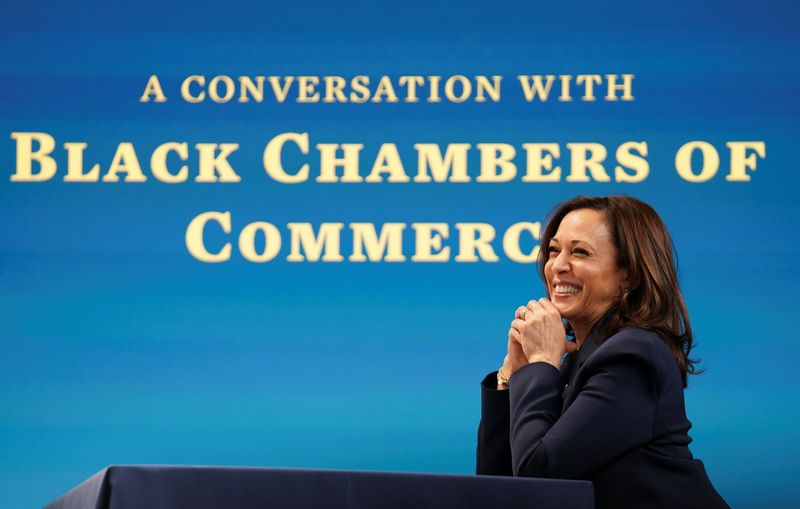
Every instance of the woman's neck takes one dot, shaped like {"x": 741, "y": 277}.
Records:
{"x": 580, "y": 335}
{"x": 584, "y": 328}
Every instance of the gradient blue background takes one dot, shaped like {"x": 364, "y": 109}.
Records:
{"x": 117, "y": 347}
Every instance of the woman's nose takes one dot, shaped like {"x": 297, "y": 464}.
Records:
{"x": 561, "y": 262}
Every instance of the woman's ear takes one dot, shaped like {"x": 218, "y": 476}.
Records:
{"x": 625, "y": 284}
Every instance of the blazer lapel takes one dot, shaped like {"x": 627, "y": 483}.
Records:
{"x": 570, "y": 369}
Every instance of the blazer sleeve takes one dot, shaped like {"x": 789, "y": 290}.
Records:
{"x": 494, "y": 449}
{"x": 613, "y": 413}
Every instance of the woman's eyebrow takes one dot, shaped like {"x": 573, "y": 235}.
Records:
{"x": 581, "y": 241}
{"x": 573, "y": 242}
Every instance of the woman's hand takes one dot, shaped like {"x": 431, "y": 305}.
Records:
{"x": 541, "y": 333}
{"x": 515, "y": 358}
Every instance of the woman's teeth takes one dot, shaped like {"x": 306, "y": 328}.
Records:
{"x": 566, "y": 289}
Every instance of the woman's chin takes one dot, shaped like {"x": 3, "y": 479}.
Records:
{"x": 562, "y": 308}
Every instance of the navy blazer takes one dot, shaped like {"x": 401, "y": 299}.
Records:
{"x": 613, "y": 415}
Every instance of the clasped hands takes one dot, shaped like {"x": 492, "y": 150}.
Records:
{"x": 536, "y": 335}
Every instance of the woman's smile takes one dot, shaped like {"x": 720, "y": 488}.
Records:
{"x": 564, "y": 289}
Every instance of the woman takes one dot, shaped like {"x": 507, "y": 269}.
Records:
{"x": 611, "y": 411}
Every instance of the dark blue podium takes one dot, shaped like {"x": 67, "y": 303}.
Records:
{"x": 167, "y": 487}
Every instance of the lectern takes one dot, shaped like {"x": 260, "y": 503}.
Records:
{"x": 173, "y": 487}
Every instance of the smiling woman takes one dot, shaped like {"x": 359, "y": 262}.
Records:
{"x": 611, "y": 410}
{"x": 581, "y": 271}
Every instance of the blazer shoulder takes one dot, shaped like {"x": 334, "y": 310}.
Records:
{"x": 634, "y": 345}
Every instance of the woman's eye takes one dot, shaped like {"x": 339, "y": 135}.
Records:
{"x": 580, "y": 251}
{"x": 553, "y": 250}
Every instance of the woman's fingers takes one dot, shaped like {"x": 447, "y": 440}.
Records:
{"x": 534, "y": 305}
{"x": 549, "y": 307}
{"x": 539, "y": 331}
{"x": 526, "y": 314}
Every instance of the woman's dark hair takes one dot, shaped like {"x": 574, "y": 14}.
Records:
{"x": 644, "y": 249}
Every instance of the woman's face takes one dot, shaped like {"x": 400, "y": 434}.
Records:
{"x": 583, "y": 279}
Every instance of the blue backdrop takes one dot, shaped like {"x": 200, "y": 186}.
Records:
{"x": 116, "y": 346}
